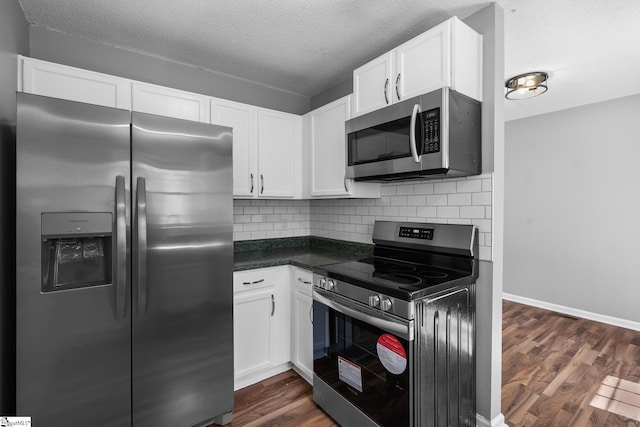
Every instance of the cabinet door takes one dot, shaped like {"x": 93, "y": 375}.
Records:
{"x": 74, "y": 84}
{"x": 303, "y": 334}
{"x": 372, "y": 86}
{"x": 168, "y": 102}
{"x": 253, "y": 333}
{"x": 243, "y": 119}
{"x": 328, "y": 157}
{"x": 301, "y": 323}
{"x": 326, "y": 134}
{"x": 423, "y": 63}
{"x": 277, "y": 139}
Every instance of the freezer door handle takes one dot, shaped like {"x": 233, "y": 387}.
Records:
{"x": 121, "y": 248}
{"x": 141, "y": 244}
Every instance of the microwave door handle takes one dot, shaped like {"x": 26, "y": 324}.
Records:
{"x": 412, "y": 134}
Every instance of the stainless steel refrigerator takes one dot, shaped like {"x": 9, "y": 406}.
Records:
{"x": 124, "y": 267}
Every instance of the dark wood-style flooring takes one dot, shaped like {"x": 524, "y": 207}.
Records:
{"x": 556, "y": 371}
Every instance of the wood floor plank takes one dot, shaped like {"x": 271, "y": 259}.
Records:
{"x": 573, "y": 358}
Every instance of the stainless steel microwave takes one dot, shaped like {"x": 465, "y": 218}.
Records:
{"x": 434, "y": 135}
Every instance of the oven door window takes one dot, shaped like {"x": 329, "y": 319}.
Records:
{"x": 365, "y": 364}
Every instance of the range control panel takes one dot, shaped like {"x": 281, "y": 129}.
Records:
{"x": 431, "y": 120}
{"x": 416, "y": 233}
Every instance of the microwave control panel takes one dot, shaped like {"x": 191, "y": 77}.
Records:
{"x": 431, "y": 134}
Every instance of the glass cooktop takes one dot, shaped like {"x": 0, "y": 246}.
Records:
{"x": 403, "y": 280}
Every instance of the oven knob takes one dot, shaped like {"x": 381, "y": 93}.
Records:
{"x": 374, "y": 300}
{"x": 322, "y": 283}
{"x": 330, "y": 285}
{"x": 385, "y": 305}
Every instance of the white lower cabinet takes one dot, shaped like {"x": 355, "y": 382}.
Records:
{"x": 302, "y": 323}
{"x": 272, "y": 323}
{"x": 261, "y": 317}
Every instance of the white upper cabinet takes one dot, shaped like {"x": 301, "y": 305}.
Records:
{"x": 243, "y": 119}
{"x": 325, "y": 132}
{"x": 279, "y": 154}
{"x": 449, "y": 54}
{"x": 168, "y": 102}
{"x": 266, "y": 149}
{"x": 74, "y": 84}
{"x": 416, "y": 70}
{"x": 371, "y": 85}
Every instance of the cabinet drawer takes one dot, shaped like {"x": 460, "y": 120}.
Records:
{"x": 303, "y": 281}
{"x": 253, "y": 279}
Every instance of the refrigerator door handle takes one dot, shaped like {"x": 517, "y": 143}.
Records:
{"x": 121, "y": 248}
{"x": 141, "y": 244}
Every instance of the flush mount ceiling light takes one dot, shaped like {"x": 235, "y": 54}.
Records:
{"x": 526, "y": 85}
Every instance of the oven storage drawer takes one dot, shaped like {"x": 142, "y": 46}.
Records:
{"x": 445, "y": 359}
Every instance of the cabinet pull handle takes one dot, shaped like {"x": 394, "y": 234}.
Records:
{"x": 386, "y": 86}
{"x": 273, "y": 305}
{"x": 346, "y": 187}
{"x": 251, "y": 191}
{"x": 261, "y": 184}
{"x": 311, "y": 313}
{"x": 397, "y": 89}
{"x": 306, "y": 282}
{"x": 254, "y": 282}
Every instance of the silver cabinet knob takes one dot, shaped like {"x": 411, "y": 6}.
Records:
{"x": 374, "y": 300}
{"x": 385, "y": 305}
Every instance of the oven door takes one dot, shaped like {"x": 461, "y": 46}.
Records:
{"x": 363, "y": 363}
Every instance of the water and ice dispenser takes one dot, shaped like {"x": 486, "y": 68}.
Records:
{"x": 76, "y": 250}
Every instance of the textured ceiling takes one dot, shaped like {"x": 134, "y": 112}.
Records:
{"x": 302, "y": 46}
{"x": 591, "y": 48}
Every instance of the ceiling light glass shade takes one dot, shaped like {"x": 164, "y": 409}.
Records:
{"x": 526, "y": 85}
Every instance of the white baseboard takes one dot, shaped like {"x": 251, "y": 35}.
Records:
{"x": 496, "y": 422}
{"x": 615, "y": 321}
{"x": 256, "y": 377}
{"x": 304, "y": 373}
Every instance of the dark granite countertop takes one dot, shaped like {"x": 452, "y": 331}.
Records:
{"x": 305, "y": 252}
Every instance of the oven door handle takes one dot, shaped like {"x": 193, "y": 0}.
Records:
{"x": 403, "y": 330}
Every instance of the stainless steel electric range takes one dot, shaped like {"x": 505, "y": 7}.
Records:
{"x": 394, "y": 335}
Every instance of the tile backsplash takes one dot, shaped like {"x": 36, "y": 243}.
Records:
{"x": 455, "y": 201}
{"x": 267, "y": 219}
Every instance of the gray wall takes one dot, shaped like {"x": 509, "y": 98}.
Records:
{"x": 88, "y": 54}
{"x": 490, "y": 23}
{"x": 335, "y": 92}
{"x": 573, "y": 206}
{"x": 14, "y": 39}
